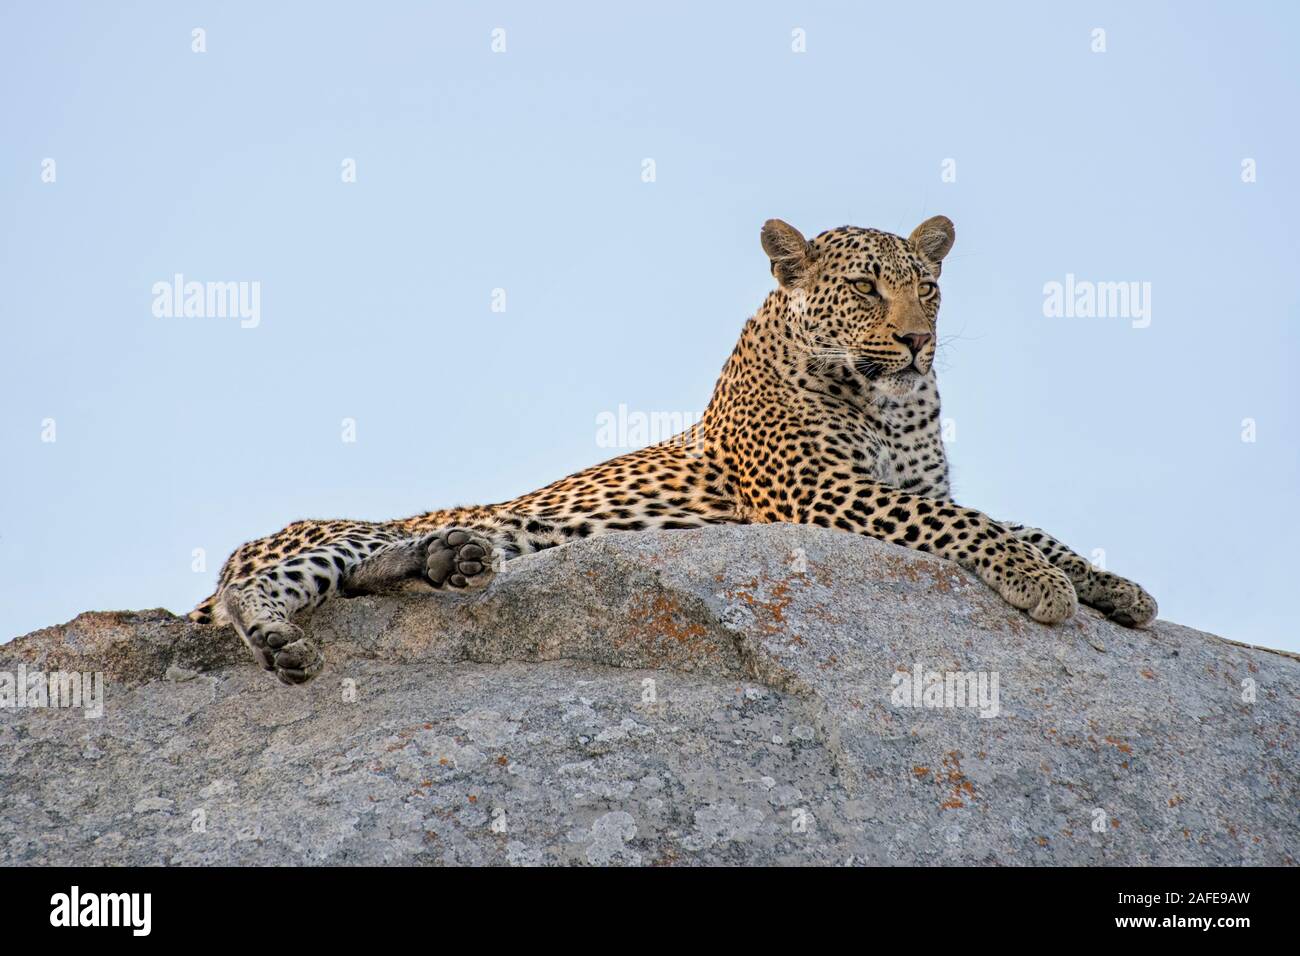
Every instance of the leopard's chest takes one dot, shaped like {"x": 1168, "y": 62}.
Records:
{"x": 904, "y": 446}
{"x": 895, "y": 442}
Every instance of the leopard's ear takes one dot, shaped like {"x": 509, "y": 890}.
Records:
{"x": 933, "y": 239}
{"x": 790, "y": 252}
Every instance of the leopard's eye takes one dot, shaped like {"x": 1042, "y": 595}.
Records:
{"x": 864, "y": 286}
{"x": 926, "y": 288}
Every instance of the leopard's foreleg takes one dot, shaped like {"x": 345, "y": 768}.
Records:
{"x": 1017, "y": 570}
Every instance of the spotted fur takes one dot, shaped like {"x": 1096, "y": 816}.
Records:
{"x": 826, "y": 413}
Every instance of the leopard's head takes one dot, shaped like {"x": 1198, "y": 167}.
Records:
{"x": 861, "y": 302}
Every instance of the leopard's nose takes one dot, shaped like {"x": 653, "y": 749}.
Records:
{"x": 915, "y": 340}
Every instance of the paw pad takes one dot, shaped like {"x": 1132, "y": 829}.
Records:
{"x": 458, "y": 558}
{"x": 298, "y": 662}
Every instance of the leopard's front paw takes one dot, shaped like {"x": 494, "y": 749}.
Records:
{"x": 1057, "y": 600}
{"x": 298, "y": 661}
{"x": 280, "y": 647}
{"x": 1027, "y": 581}
{"x": 458, "y": 559}
{"x": 1120, "y": 599}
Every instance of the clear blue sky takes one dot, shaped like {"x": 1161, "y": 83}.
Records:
{"x": 522, "y": 171}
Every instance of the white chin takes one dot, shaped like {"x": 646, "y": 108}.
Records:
{"x": 898, "y": 384}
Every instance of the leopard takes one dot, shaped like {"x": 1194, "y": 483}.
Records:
{"x": 826, "y": 413}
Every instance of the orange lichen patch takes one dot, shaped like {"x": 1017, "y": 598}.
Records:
{"x": 954, "y": 778}
{"x": 1148, "y": 673}
{"x": 1119, "y": 745}
{"x": 1114, "y": 823}
{"x": 664, "y": 614}
{"x": 1042, "y": 841}
{"x": 443, "y": 761}
{"x": 1175, "y": 800}
{"x": 909, "y": 570}
{"x": 473, "y": 798}
{"x": 503, "y": 761}
{"x": 949, "y": 777}
{"x": 769, "y": 614}
{"x": 661, "y": 628}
